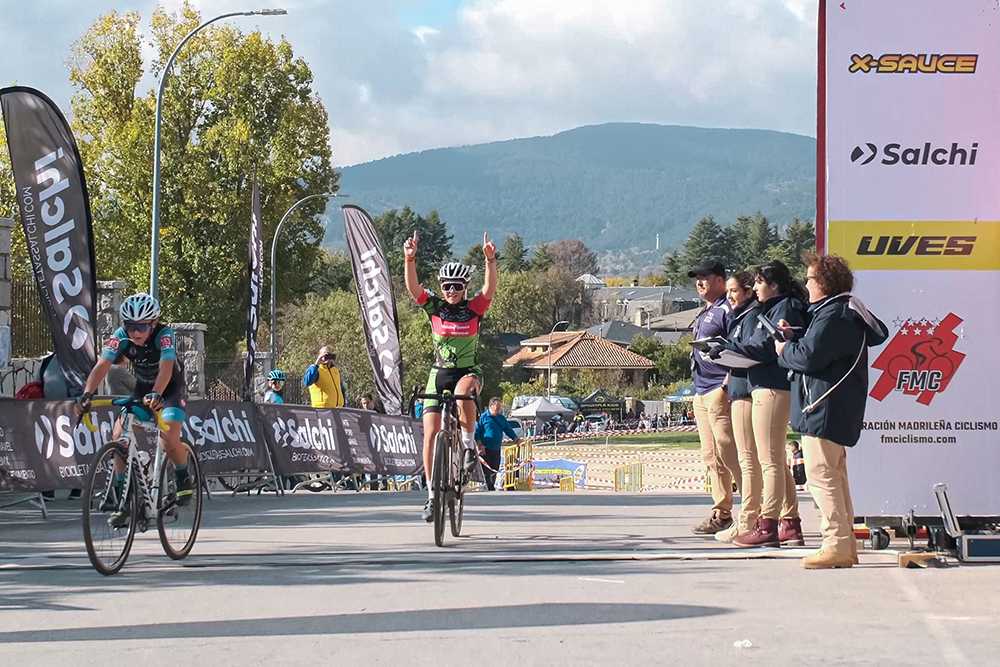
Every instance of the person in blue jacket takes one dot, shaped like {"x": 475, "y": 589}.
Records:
{"x": 490, "y": 429}
{"x": 829, "y": 392}
{"x": 781, "y": 298}
{"x": 275, "y": 386}
{"x": 742, "y": 324}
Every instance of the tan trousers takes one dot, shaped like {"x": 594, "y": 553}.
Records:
{"x": 718, "y": 448}
{"x": 770, "y": 425}
{"x": 826, "y": 471}
{"x": 746, "y": 450}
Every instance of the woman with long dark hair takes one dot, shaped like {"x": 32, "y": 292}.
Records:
{"x": 742, "y": 323}
{"x": 781, "y": 298}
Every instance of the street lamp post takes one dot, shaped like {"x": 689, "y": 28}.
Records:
{"x": 274, "y": 273}
{"x": 561, "y": 325}
{"x": 154, "y": 250}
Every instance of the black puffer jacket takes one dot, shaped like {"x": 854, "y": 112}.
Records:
{"x": 742, "y": 322}
{"x": 833, "y": 349}
{"x": 760, "y": 346}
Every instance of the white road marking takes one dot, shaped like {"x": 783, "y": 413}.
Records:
{"x": 950, "y": 651}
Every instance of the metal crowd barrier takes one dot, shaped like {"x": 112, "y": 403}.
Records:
{"x": 518, "y": 467}
{"x": 628, "y": 478}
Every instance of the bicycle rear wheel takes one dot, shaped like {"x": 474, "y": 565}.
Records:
{"x": 178, "y": 523}
{"x": 441, "y": 481}
{"x": 108, "y": 545}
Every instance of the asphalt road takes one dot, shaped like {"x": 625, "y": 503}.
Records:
{"x": 539, "y": 578}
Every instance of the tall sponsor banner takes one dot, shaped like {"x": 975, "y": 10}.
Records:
{"x": 256, "y": 284}
{"x": 55, "y": 215}
{"x": 42, "y": 447}
{"x": 911, "y": 154}
{"x": 378, "y": 307}
{"x": 227, "y": 436}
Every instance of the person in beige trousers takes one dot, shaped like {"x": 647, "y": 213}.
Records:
{"x": 711, "y": 401}
{"x": 829, "y": 392}
{"x": 742, "y": 319}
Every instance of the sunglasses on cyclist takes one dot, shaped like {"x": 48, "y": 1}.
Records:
{"x": 138, "y": 327}
{"x": 452, "y": 287}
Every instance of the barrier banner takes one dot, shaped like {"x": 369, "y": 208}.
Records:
{"x": 907, "y": 190}
{"x": 378, "y": 307}
{"x": 226, "y": 435}
{"x": 302, "y": 439}
{"x": 42, "y": 447}
{"x": 55, "y": 215}
{"x": 255, "y": 270}
{"x": 549, "y": 472}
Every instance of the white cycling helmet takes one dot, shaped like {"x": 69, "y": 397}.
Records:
{"x": 455, "y": 271}
{"x": 140, "y": 307}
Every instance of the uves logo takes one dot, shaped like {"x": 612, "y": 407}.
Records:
{"x": 916, "y": 245}
{"x": 914, "y": 63}
{"x": 927, "y": 154}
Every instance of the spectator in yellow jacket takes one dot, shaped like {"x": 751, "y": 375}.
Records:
{"x": 325, "y": 381}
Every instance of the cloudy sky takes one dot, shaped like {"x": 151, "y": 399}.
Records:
{"x": 405, "y": 75}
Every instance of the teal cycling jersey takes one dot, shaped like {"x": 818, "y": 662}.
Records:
{"x": 161, "y": 346}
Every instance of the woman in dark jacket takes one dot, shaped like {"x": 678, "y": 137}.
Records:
{"x": 742, "y": 320}
{"x": 781, "y": 298}
{"x": 830, "y": 388}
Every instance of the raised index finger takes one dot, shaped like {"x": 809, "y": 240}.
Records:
{"x": 486, "y": 239}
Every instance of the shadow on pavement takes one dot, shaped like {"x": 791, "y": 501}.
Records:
{"x": 476, "y": 618}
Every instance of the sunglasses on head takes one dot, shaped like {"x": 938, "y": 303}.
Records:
{"x": 138, "y": 327}
{"x": 452, "y": 287}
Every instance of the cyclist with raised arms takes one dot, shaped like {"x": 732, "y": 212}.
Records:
{"x": 151, "y": 347}
{"x": 455, "y": 321}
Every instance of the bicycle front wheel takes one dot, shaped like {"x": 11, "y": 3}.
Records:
{"x": 178, "y": 518}
{"x": 456, "y": 510}
{"x": 110, "y": 511}
{"x": 441, "y": 480}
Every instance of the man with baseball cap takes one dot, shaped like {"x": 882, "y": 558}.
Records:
{"x": 711, "y": 400}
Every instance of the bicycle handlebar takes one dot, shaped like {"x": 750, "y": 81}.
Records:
{"x": 129, "y": 404}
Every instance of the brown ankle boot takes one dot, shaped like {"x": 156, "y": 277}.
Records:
{"x": 764, "y": 534}
{"x": 790, "y": 532}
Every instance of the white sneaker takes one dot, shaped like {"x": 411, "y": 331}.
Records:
{"x": 729, "y": 534}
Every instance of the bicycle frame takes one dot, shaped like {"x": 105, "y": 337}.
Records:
{"x": 150, "y": 489}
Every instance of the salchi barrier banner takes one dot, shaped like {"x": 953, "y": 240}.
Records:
{"x": 909, "y": 189}
{"x": 42, "y": 446}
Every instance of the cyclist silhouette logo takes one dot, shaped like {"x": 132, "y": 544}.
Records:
{"x": 920, "y": 360}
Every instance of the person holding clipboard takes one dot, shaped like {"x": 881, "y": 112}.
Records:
{"x": 781, "y": 298}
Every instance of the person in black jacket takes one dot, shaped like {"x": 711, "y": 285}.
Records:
{"x": 830, "y": 389}
{"x": 781, "y": 298}
{"x": 742, "y": 320}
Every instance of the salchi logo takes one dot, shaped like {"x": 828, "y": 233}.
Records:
{"x": 58, "y": 435}
{"x": 376, "y": 291}
{"x": 955, "y": 155}
{"x": 392, "y": 439}
{"x": 920, "y": 360}
{"x": 914, "y": 63}
{"x": 314, "y": 433}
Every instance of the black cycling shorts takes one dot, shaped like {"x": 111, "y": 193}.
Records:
{"x": 441, "y": 380}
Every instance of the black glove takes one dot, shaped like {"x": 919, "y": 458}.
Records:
{"x": 153, "y": 401}
{"x": 83, "y": 401}
{"x": 715, "y": 352}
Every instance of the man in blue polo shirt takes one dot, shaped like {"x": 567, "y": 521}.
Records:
{"x": 490, "y": 430}
{"x": 711, "y": 400}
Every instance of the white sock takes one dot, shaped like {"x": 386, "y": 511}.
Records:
{"x": 468, "y": 439}
{"x": 430, "y": 492}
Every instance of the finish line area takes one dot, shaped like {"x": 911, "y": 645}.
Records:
{"x": 538, "y": 576}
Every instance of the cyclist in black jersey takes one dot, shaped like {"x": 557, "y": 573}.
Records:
{"x": 455, "y": 322}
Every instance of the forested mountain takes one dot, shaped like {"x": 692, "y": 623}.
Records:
{"x": 614, "y": 186}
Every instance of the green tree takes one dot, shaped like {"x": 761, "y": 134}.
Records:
{"x": 237, "y": 107}
{"x": 541, "y": 259}
{"x": 395, "y": 226}
{"x": 513, "y": 255}
{"x": 522, "y": 304}
{"x": 751, "y": 240}
{"x": 333, "y": 272}
{"x": 800, "y": 238}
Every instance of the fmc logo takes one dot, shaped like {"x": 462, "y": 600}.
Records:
{"x": 914, "y": 63}
{"x": 920, "y": 360}
{"x": 927, "y": 154}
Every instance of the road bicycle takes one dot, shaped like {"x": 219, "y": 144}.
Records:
{"x": 448, "y": 476}
{"x": 113, "y": 509}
